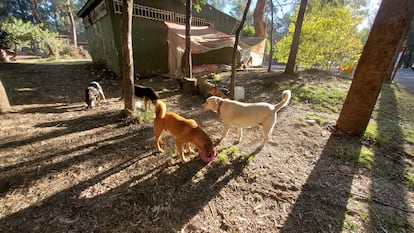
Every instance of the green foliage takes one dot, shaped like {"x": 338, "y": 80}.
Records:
{"x": 30, "y": 35}
{"x": 328, "y": 35}
{"x": 213, "y": 78}
{"x": 224, "y": 153}
{"x": 5, "y": 40}
{"x": 371, "y": 133}
{"x": 409, "y": 179}
{"x": 248, "y": 31}
{"x": 267, "y": 47}
{"x": 221, "y": 158}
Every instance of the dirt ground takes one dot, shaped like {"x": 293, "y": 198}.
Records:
{"x": 65, "y": 169}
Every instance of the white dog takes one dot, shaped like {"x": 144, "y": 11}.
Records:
{"x": 243, "y": 115}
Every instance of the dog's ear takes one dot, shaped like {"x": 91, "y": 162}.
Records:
{"x": 214, "y": 101}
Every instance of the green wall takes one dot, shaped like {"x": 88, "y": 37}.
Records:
{"x": 150, "y": 48}
{"x": 102, "y": 46}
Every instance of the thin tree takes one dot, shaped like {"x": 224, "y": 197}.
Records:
{"x": 72, "y": 23}
{"x": 127, "y": 67}
{"x": 379, "y": 49}
{"x": 269, "y": 68}
{"x": 236, "y": 44}
{"x": 38, "y": 19}
{"x": 36, "y": 13}
{"x": 187, "y": 52}
{"x": 290, "y": 66}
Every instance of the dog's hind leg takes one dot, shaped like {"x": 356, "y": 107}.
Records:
{"x": 267, "y": 131}
{"x": 158, "y": 132}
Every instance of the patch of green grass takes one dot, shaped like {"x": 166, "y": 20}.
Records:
{"x": 214, "y": 78}
{"x": 409, "y": 133}
{"x": 221, "y": 158}
{"x": 318, "y": 119}
{"x": 246, "y": 160}
{"x": 371, "y": 133}
{"x": 409, "y": 179}
{"x": 362, "y": 157}
{"x": 349, "y": 224}
{"x": 199, "y": 174}
{"x": 137, "y": 115}
{"x": 224, "y": 153}
{"x": 140, "y": 115}
{"x": 321, "y": 99}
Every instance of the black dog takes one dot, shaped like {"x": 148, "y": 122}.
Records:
{"x": 94, "y": 94}
{"x": 147, "y": 93}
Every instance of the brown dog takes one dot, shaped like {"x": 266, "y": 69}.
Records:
{"x": 215, "y": 91}
{"x": 185, "y": 131}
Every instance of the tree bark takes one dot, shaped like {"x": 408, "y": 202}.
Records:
{"x": 269, "y": 68}
{"x": 258, "y": 22}
{"x": 36, "y": 13}
{"x": 236, "y": 44}
{"x": 4, "y": 101}
{"x": 72, "y": 23}
{"x": 391, "y": 24}
{"x": 127, "y": 70}
{"x": 290, "y": 66}
{"x": 187, "y": 52}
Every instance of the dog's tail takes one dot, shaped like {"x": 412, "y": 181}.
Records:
{"x": 160, "y": 109}
{"x": 286, "y": 94}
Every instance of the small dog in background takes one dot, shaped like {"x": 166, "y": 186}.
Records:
{"x": 94, "y": 95}
{"x": 184, "y": 131}
{"x": 216, "y": 91}
{"x": 148, "y": 94}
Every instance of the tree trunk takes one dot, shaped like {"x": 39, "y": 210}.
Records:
{"x": 259, "y": 24}
{"x": 127, "y": 70}
{"x": 36, "y": 13}
{"x": 374, "y": 64}
{"x": 72, "y": 24}
{"x": 236, "y": 44}
{"x": 290, "y": 66}
{"x": 269, "y": 68}
{"x": 187, "y": 53}
{"x": 4, "y": 101}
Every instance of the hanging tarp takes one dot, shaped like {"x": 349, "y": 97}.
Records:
{"x": 203, "y": 39}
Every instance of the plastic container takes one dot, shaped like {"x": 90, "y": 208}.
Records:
{"x": 238, "y": 93}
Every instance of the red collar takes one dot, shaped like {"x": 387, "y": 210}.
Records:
{"x": 219, "y": 106}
